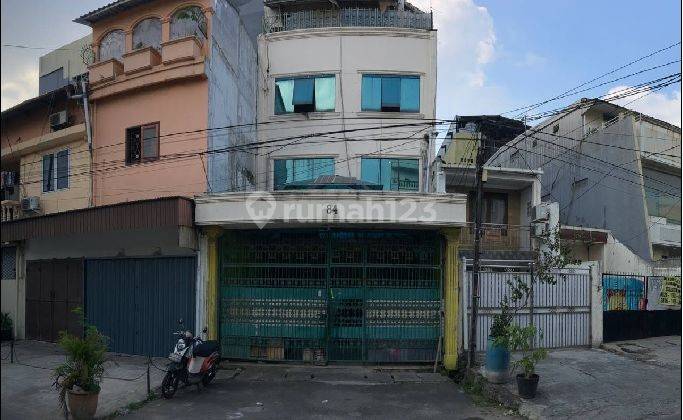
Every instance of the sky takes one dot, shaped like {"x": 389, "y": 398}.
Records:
{"x": 493, "y": 55}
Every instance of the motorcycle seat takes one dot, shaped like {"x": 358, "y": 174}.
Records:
{"x": 206, "y": 348}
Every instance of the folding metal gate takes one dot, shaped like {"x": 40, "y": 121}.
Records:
{"x": 330, "y": 295}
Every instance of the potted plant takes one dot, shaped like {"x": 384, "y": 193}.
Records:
{"x": 6, "y": 327}
{"x": 497, "y": 347}
{"x": 80, "y": 375}
{"x": 522, "y": 338}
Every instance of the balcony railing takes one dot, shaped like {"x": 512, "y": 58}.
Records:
{"x": 497, "y": 237}
{"x": 11, "y": 210}
{"x": 340, "y": 18}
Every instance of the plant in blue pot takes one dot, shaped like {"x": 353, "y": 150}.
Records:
{"x": 498, "y": 348}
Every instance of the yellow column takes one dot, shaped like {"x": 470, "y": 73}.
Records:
{"x": 212, "y": 289}
{"x": 451, "y": 299}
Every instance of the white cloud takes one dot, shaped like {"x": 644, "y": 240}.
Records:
{"x": 531, "y": 59}
{"x": 655, "y": 104}
{"x": 466, "y": 47}
{"x": 24, "y": 85}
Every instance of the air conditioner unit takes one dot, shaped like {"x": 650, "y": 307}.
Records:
{"x": 30, "y": 204}
{"x": 541, "y": 213}
{"x": 58, "y": 120}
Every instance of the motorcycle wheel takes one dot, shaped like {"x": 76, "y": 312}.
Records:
{"x": 169, "y": 385}
{"x": 206, "y": 379}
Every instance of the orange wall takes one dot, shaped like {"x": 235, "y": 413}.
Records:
{"x": 126, "y": 20}
{"x": 178, "y": 107}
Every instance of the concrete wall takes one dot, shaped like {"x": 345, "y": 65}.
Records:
{"x": 232, "y": 84}
{"x": 591, "y": 192}
{"x": 137, "y": 243}
{"x": 33, "y": 122}
{"x": 345, "y": 53}
{"x": 76, "y": 196}
{"x": 178, "y": 107}
{"x": 68, "y": 59}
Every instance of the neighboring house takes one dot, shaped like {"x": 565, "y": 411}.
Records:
{"x": 45, "y": 157}
{"x": 509, "y": 194}
{"x": 608, "y": 168}
{"x": 44, "y": 154}
{"x": 173, "y": 89}
{"x": 165, "y": 75}
{"x": 342, "y": 254}
{"x": 59, "y": 68}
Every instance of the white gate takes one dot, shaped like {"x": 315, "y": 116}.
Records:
{"x": 561, "y": 311}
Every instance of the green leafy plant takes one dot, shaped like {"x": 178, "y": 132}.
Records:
{"x": 6, "y": 321}
{"x": 85, "y": 358}
{"x": 522, "y": 339}
{"x": 499, "y": 327}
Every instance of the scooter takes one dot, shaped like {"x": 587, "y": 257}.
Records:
{"x": 192, "y": 361}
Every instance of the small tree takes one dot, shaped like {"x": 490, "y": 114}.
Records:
{"x": 551, "y": 257}
{"x": 521, "y": 339}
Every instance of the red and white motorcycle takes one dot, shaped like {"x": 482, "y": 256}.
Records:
{"x": 193, "y": 360}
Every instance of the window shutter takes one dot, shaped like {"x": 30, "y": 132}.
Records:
{"x": 303, "y": 92}
{"x": 410, "y": 94}
{"x": 371, "y": 93}
{"x": 391, "y": 92}
{"x": 62, "y": 169}
{"x": 48, "y": 173}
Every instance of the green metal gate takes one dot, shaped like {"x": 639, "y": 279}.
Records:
{"x": 330, "y": 295}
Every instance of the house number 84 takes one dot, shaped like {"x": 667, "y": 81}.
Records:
{"x": 332, "y": 209}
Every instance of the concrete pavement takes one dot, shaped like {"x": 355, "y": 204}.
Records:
{"x": 332, "y": 392}
{"x": 633, "y": 380}
{"x": 27, "y": 391}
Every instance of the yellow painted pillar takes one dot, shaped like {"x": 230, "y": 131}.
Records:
{"x": 451, "y": 299}
{"x": 211, "y": 291}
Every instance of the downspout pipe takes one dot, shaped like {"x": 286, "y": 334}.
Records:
{"x": 88, "y": 130}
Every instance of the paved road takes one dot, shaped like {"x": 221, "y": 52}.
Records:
{"x": 637, "y": 379}
{"x": 277, "y": 392}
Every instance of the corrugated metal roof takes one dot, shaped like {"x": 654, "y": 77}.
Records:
{"x": 108, "y": 10}
{"x": 145, "y": 214}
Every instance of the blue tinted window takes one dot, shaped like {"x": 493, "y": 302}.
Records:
{"x": 48, "y": 172}
{"x": 392, "y": 174}
{"x": 371, "y": 93}
{"x": 305, "y": 94}
{"x": 390, "y": 93}
{"x": 296, "y": 170}
{"x": 62, "y": 169}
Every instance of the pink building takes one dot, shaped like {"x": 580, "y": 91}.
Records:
{"x": 164, "y": 85}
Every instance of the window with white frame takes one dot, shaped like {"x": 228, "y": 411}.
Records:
{"x": 56, "y": 171}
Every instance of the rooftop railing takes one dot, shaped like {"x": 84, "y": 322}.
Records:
{"x": 340, "y": 18}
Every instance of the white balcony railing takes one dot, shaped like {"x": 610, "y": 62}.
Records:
{"x": 663, "y": 233}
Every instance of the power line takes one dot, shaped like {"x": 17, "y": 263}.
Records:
{"x": 538, "y": 104}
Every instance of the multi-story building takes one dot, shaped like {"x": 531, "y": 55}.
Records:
{"x": 170, "y": 85}
{"x": 341, "y": 254}
{"x": 59, "y": 68}
{"x": 509, "y": 194}
{"x": 608, "y": 168}
{"x": 172, "y": 88}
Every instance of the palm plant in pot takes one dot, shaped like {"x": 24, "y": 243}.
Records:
{"x": 80, "y": 375}
{"x": 522, "y": 339}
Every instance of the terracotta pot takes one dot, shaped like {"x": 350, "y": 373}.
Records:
{"x": 82, "y": 405}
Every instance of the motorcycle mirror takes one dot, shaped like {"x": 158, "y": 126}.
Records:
{"x": 205, "y": 330}
{"x": 180, "y": 321}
